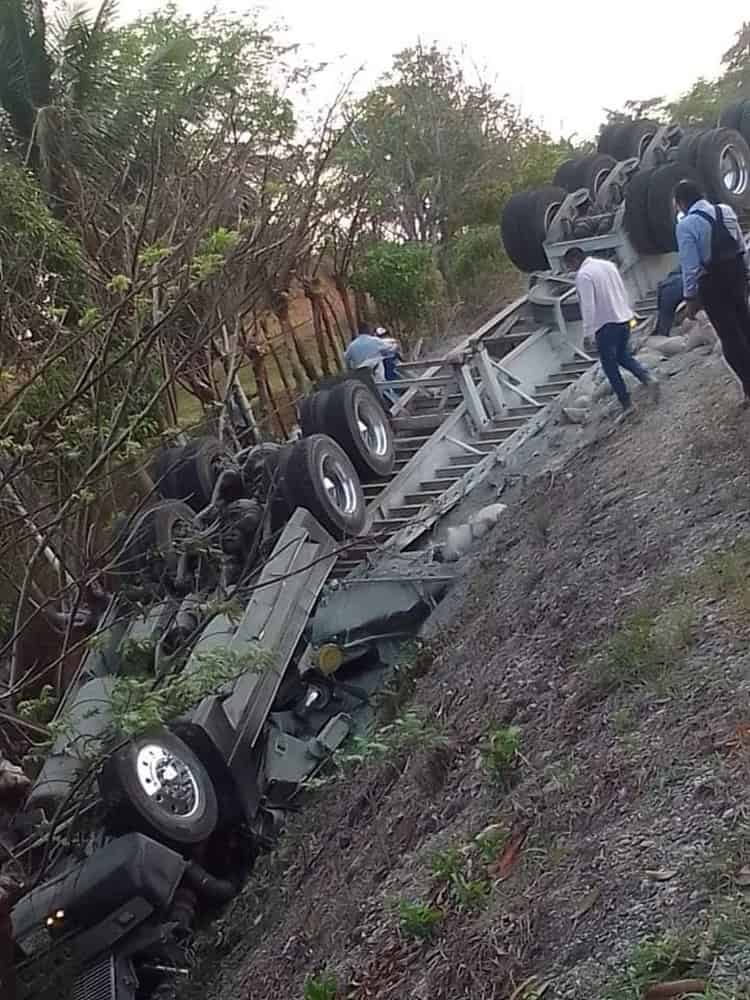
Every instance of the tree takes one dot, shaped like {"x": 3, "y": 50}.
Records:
{"x": 403, "y": 281}
{"x": 434, "y": 147}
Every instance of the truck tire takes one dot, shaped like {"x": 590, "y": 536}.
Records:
{"x": 163, "y": 468}
{"x": 636, "y": 212}
{"x": 171, "y": 522}
{"x": 724, "y": 165}
{"x": 609, "y": 138}
{"x": 687, "y": 148}
{"x": 593, "y": 171}
{"x": 355, "y": 418}
{"x": 525, "y": 222}
{"x": 190, "y": 473}
{"x": 566, "y": 175}
{"x": 319, "y": 476}
{"x": 144, "y": 550}
{"x": 281, "y": 510}
{"x": 731, "y": 115}
{"x": 512, "y": 228}
{"x": 661, "y": 208}
{"x": 312, "y": 413}
{"x": 634, "y": 139}
{"x": 156, "y": 785}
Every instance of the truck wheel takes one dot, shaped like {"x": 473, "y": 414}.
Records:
{"x": 724, "y": 165}
{"x": 609, "y": 138}
{"x": 162, "y": 471}
{"x": 193, "y": 471}
{"x": 661, "y": 208}
{"x": 634, "y": 138}
{"x": 593, "y": 171}
{"x": 566, "y": 175}
{"x": 636, "y": 212}
{"x": 355, "y": 418}
{"x": 687, "y": 148}
{"x": 146, "y": 548}
{"x": 731, "y": 115}
{"x": 525, "y": 222}
{"x": 172, "y": 521}
{"x": 156, "y": 785}
{"x": 512, "y": 228}
{"x": 319, "y": 476}
{"x": 312, "y": 413}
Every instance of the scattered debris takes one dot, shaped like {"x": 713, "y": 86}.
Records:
{"x": 460, "y": 538}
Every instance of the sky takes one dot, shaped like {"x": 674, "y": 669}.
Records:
{"x": 561, "y": 63}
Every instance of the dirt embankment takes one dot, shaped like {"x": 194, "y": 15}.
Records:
{"x": 574, "y": 804}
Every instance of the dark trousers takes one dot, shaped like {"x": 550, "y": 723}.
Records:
{"x": 614, "y": 353}
{"x": 668, "y": 297}
{"x": 723, "y": 294}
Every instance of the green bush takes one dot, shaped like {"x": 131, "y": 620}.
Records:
{"x": 402, "y": 279}
{"x": 472, "y": 256}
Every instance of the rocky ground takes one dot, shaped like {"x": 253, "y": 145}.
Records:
{"x": 562, "y": 807}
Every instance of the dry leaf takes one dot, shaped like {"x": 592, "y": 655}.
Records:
{"x": 677, "y": 988}
{"x": 502, "y": 867}
{"x": 662, "y": 874}
{"x": 743, "y": 876}
{"x": 586, "y": 903}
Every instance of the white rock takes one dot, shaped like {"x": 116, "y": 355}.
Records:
{"x": 649, "y": 358}
{"x": 582, "y": 402}
{"x": 668, "y": 346}
{"x": 576, "y": 414}
{"x": 458, "y": 539}
{"x": 700, "y": 337}
{"x": 457, "y": 542}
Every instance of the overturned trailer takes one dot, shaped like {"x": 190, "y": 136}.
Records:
{"x": 179, "y": 814}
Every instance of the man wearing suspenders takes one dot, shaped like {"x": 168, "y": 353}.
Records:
{"x": 715, "y": 274}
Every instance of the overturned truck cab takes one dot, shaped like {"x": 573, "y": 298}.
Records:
{"x": 177, "y": 815}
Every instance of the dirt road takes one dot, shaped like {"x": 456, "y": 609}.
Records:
{"x": 568, "y": 797}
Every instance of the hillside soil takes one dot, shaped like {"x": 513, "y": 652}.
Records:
{"x": 565, "y": 811}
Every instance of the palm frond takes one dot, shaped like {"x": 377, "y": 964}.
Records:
{"x": 25, "y": 71}
{"x": 81, "y": 46}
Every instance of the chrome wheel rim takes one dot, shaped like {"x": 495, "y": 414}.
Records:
{"x": 339, "y": 486}
{"x": 600, "y": 178}
{"x": 645, "y": 143}
{"x": 167, "y": 781}
{"x": 734, "y": 170}
{"x": 549, "y": 215}
{"x": 372, "y": 428}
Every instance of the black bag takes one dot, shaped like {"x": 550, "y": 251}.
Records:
{"x": 724, "y": 247}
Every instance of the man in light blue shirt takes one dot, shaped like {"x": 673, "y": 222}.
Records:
{"x": 714, "y": 266}
{"x": 367, "y": 351}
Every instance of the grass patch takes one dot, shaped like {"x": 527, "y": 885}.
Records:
{"x": 447, "y": 863}
{"x": 406, "y": 734}
{"x": 645, "y": 648}
{"x": 657, "y": 960}
{"x": 727, "y": 575}
{"x": 418, "y": 920}
{"x": 416, "y": 659}
{"x": 324, "y": 987}
{"x": 469, "y": 894}
{"x": 500, "y": 754}
{"x": 490, "y": 842}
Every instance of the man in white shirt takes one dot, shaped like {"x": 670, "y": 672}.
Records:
{"x": 606, "y": 314}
